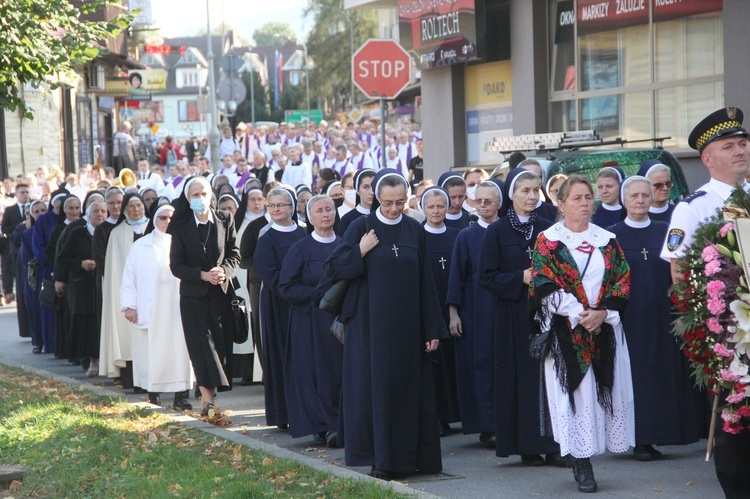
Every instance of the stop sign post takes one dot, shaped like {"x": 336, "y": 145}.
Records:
{"x": 381, "y": 69}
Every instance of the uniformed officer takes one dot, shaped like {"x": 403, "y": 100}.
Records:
{"x": 722, "y": 142}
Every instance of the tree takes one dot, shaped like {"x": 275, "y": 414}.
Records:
{"x": 273, "y": 33}
{"x": 329, "y": 45}
{"x": 244, "y": 110}
{"x": 41, "y": 38}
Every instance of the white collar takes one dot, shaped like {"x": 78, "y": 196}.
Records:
{"x": 483, "y": 224}
{"x": 658, "y": 210}
{"x": 66, "y": 221}
{"x": 616, "y": 207}
{"x": 324, "y": 240}
{"x": 433, "y": 230}
{"x": 198, "y": 222}
{"x": 90, "y": 228}
{"x": 362, "y": 209}
{"x": 111, "y": 220}
{"x": 722, "y": 189}
{"x": 538, "y": 204}
{"x": 284, "y": 228}
{"x": 451, "y": 216}
{"x": 637, "y": 225}
{"x": 594, "y": 235}
{"x": 388, "y": 221}
{"x": 523, "y": 219}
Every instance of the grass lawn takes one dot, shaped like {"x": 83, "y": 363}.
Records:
{"x": 76, "y": 444}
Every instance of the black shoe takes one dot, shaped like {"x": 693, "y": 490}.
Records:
{"x": 206, "y": 409}
{"x": 181, "y": 404}
{"x": 85, "y": 363}
{"x": 332, "y": 439}
{"x": 556, "y": 460}
{"x": 283, "y": 426}
{"x": 584, "y": 475}
{"x": 138, "y": 389}
{"x": 36, "y": 350}
{"x": 153, "y": 398}
{"x": 198, "y": 393}
{"x": 246, "y": 382}
{"x": 645, "y": 453}
{"x": 321, "y": 437}
{"x": 532, "y": 460}
{"x": 74, "y": 362}
{"x": 381, "y": 475}
{"x": 488, "y": 438}
{"x": 444, "y": 429}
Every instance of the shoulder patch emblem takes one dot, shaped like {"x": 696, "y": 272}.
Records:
{"x": 675, "y": 239}
{"x": 694, "y": 196}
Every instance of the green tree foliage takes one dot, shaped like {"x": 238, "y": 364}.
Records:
{"x": 41, "y": 38}
{"x": 273, "y": 33}
{"x": 329, "y": 45}
{"x": 244, "y": 111}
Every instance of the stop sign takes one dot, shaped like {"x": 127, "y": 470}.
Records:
{"x": 381, "y": 68}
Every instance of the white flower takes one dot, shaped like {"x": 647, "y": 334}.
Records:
{"x": 741, "y": 310}
{"x": 741, "y": 369}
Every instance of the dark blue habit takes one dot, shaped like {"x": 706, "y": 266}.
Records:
{"x": 388, "y": 414}
{"x": 347, "y": 219}
{"x": 604, "y": 217}
{"x": 33, "y": 305}
{"x": 662, "y": 217}
{"x": 274, "y": 318}
{"x": 314, "y": 355}
{"x": 462, "y": 222}
{"x": 504, "y": 258}
{"x": 474, "y": 349}
{"x": 547, "y": 211}
{"x": 439, "y": 253}
{"x": 665, "y": 410}
{"x": 42, "y": 231}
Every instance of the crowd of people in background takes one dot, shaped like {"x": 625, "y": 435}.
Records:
{"x": 441, "y": 277}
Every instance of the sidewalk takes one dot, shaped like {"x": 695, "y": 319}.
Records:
{"x": 469, "y": 469}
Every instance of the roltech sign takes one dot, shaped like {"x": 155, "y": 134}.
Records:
{"x": 438, "y": 32}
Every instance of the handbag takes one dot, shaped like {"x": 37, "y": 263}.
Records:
{"x": 32, "y": 275}
{"x": 241, "y": 321}
{"x": 337, "y": 328}
{"x": 47, "y": 293}
{"x": 540, "y": 343}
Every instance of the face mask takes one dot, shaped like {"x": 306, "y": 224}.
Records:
{"x": 471, "y": 192}
{"x": 143, "y": 220}
{"x": 198, "y": 205}
{"x": 350, "y": 195}
{"x": 338, "y": 202}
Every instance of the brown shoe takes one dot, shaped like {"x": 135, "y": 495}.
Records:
{"x": 9, "y": 297}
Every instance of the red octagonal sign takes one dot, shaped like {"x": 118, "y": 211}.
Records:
{"x": 382, "y": 68}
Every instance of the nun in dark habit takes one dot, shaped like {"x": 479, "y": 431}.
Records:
{"x": 660, "y": 176}
{"x": 471, "y": 322}
{"x": 314, "y": 355}
{"x": 665, "y": 411}
{"x": 274, "y": 310}
{"x": 440, "y": 241}
{"x": 393, "y": 320}
{"x": 505, "y": 271}
{"x": 455, "y": 185}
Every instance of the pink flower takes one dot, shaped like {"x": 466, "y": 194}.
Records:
{"x": 727, "y": 375}
{"x": 713, "y": 325}
{"x": 726, "y": 228}
{"x": 712, "y": 267}
{"x": 716, "y": 306}
{"x": 736, "y": 398}
{"x": 743, "y": 412}
{"x": 710, "y": 253}
{"x": 733, "y": 428}
{"x": 723, "y": 351}
{"x": 715, "y": 288}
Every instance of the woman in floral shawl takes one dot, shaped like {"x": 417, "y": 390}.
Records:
{"x": 580, "y": 285}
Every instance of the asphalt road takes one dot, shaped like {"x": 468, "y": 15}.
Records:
{"x": 469, "y": 469}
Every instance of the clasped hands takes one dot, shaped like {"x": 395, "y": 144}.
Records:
{"x": 592, "y": 320}
{"x": 215, "y": 276}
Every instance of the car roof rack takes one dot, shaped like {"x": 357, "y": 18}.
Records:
{"x": 544, "y": 143}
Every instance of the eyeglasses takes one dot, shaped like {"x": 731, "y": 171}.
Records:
{"x": 389, "y": 204}
{"x": 482, "y": 202}
{"x": 163, "y": 217}
{"x": 662, "y": 185}
{"x": 278, "y": 205}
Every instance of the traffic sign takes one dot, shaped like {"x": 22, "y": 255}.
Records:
{"x": 381, "y": 68}
{"x": 303, "y": 116}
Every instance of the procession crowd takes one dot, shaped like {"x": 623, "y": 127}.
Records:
{"x": 144, "y": 278}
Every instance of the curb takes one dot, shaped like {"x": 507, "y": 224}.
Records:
{"x": 236, "y": 437}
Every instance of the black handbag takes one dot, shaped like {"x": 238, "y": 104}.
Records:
{"x": 333, "y": 299}
{"x": 32, "y": 275}
{"x": 47, "y": 293}
{"x": 241, "y": 321}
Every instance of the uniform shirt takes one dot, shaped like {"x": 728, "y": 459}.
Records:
{"x": 691, "y": 212}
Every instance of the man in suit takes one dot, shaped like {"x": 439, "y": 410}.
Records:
{"x": 12, "y": 216}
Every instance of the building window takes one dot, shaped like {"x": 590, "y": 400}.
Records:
{"x": 294, "y": 78}
{"x": 639, "y": 76}
{"x": 187, "y": 110}
{"x": 189, "y": 78}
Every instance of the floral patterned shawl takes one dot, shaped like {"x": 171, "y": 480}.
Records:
{"x": 575, "y": 350}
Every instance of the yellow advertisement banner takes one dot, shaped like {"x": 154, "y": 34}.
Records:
{"x": 488, "y": 84}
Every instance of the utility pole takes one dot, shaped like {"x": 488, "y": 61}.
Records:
{"x": 213, "y": 130}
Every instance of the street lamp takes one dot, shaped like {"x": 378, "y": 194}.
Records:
{"x": 348, "y": 18}
{"x": 213, "y": 130}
